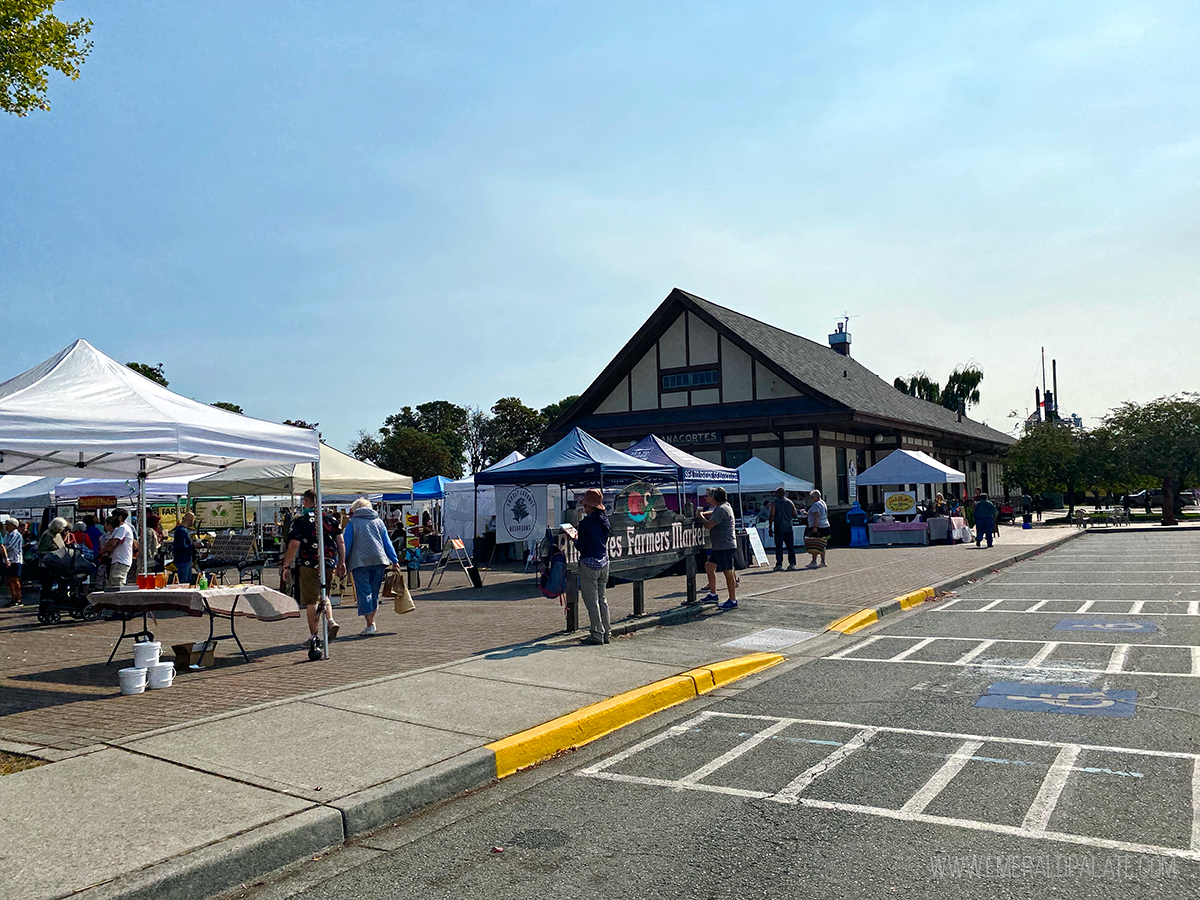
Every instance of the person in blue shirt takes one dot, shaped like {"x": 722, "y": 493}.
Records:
{"x": 183, "y": 548}
{"x": 985, "y": 519}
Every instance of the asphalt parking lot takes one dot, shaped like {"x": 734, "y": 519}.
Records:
{"x": 1036, "y": 734}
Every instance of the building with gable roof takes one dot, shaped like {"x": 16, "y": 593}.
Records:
{"x": 725, "y": 387}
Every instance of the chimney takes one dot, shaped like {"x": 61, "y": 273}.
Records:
{"x": 840, "y": 339}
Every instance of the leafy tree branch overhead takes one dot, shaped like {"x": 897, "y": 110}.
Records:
{"x": 33, "y": 41}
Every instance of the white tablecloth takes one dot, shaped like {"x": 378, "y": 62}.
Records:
{"x": 254, "y": 601}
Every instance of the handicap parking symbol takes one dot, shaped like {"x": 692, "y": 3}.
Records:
{"x": 1072, "y": 699}
{"x": 1123, "y": 626}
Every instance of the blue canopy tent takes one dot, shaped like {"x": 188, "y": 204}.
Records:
{"x": 692, "y": 471}
{"x": 429, "y": 489}
{"x": 578, "y": 460}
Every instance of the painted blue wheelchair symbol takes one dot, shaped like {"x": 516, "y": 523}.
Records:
{"x": 1121, "y": 626}
{"x": 1072, "y": 699}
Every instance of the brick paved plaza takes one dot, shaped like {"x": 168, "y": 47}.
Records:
{"x": 56, "y": 691}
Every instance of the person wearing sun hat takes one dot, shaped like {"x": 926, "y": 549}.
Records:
{"x": 592, "y": 544}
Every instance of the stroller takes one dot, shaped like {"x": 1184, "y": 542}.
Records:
{"x": 67, "y": 573}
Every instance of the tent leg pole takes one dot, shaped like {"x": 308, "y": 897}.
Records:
{"x": 145, "y": 567}
{"x": 324, "y": 614}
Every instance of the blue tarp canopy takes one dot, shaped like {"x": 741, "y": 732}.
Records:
{"x": 578, "y": 459}
{"x": 430, "y": 489}
{"x": 688, "y": 469}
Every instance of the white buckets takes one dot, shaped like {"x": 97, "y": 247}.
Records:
{"x": 146, "y": 654}
{"x": 133, "y": 680}
{"x": 160, "y": 675}
{"x": 146, "y": 670}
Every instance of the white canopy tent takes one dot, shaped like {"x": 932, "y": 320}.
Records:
{"x": 341, "y": 474}
{"x": 156, "y": 488}
{"x": 759, "y": 477}
{"x": 469, "y": 508}
{"x": 909, "y": 467}
{"x": 82, "y": 414}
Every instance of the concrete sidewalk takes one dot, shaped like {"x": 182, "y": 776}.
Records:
{"x": 201, "y": 806}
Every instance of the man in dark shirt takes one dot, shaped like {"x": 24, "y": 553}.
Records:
{"x": 783, "y": 514}
{"x": 302, "y": 552}
{"x": 592, "y": 544}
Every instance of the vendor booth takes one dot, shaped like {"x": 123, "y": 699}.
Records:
{"x": 900, "y": 522}
{"x": 469, "y": 508}
{"x": 81, "y": 413}
{"x": 646, "y": 537}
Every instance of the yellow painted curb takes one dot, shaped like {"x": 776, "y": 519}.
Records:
{"x": 591, "y": 722}
{"x": 856, "y": 621}
{"x": 908, "y": 601}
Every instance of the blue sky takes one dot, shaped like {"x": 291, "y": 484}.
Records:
{"x": 330, "y": 210}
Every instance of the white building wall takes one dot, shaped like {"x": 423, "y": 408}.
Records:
{"x": 644, "y": 379}
{"x": 618, "y": 400}
{"x": 703, "y": 341}
{"x": 737, "y": 383}
{"x": 671, "y": 346}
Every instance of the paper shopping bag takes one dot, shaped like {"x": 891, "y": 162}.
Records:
{"x": 404, "y": 601}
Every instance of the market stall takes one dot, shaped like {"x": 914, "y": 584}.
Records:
{"x": 81, "y": 413}
{"x": 468, "y": 508}
{"x": 647, "y": 537}
{"x": 756, "y": 476}
{"x": 900, "y": 523}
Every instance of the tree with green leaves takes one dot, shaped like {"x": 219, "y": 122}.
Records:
{"x": 961, "y": 390}
{"x": 1046, "y": 458}
{"x": 300, "y": 423}
{"x": 154, "y": 373}
{"x": 475, "y": 438}
{"x": 230, "y": 407}
{"x": 440, "y": 419}
{"x": 1160, "y": 440}
{"x": 514, "y": 426}
{"x": 32, "y": 42}
{"x": 554, "y": 410}
{"x": 414, "y": 453}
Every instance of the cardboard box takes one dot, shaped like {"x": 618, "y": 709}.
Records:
{"x": 200, "y": 654}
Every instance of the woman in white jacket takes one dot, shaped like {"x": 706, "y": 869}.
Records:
{"x": 369, "y": 551}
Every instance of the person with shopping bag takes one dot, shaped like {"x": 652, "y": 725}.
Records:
{"x": 369, "y": 552}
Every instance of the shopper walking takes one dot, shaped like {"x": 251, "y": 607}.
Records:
{"x": 719, "y": 522}
{"x": 592, "y": 544}
{"x": 783, "y": 514}
{"x": 302, "y": 552}
{"x": 369, "y": 552}
{"x": 816, "y": 535}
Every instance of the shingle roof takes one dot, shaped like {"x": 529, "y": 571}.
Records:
{"x": 821, "y": 367}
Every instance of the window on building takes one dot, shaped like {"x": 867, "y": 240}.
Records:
{"x": 734, "y": 458}
{"x": 843, "y": 479}
{"x": 699, "y": 378}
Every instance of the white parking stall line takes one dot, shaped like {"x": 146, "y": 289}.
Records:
{"x": 790, "y": 793}
{"x": 942, "y": 777}
{"x": 1117, "y": 661}
{"x": 904, "y": 654}
{"x": 1040, "y": 657}
{"x": 854, "y": 647}
{"x": 1038, "y": 816}
{"x": 948, "y": 603}
{"x": 966, "y": 658}
{"x": 726, "y": 758}
{"x": 1036, "y": 821}
{"x": 1011, "y": 830}
{"x": 990, "y": 605}
{"x": 1186, "y": 608}
{"x": 1196, "y": 805}
{"x": 1136, "y": 608}
{"x": 673, "y": 731}
{"x": 1085, "y": 606}
{"x": 1119, "y": 652}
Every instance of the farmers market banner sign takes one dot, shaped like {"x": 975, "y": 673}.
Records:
{"x": 645, "y": 536}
